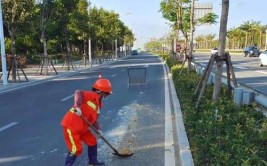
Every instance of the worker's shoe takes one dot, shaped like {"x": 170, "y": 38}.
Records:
{"x": 93, "y": 161}
{"x": 92, "y": 155}
{"x": 70, "y": 159}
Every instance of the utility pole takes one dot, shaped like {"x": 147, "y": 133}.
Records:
{"x": 3, "y": 52}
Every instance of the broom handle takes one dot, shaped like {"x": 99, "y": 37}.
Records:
{"x": 103, "y": 138}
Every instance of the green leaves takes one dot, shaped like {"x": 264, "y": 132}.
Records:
{"x": 228, "y": 136}
{"x": 106, "y": 27}
{"x": 209, "y": 18}
{"x": 31, "y": 22}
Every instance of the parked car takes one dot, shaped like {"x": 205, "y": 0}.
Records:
{"x": 263, "y": 58}
{"x": 251, "y": 51}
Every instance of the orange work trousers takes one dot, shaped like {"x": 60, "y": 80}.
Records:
{"x": 74, "y": 140}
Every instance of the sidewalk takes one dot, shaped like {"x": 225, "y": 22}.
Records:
{"x": 34, "y": 76}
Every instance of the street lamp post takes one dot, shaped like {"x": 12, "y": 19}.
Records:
{"x": 3, "y": 53}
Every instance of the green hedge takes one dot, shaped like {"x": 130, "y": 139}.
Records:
{"x": 220, "y": 133}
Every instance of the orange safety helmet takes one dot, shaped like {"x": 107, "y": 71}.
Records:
{"x": 103, "y": 85}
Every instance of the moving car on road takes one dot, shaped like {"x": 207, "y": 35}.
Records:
{"x": 251, "y": 51}
{"x": 263, "y": 58}
{"x": 134, "y": 52}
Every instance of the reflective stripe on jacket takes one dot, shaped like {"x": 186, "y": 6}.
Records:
{"x": 90, "y": 107}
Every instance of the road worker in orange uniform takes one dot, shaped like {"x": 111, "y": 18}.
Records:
{"x": 88, "y": 104}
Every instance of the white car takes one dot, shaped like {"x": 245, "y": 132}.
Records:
{"x": 214, "y": 51}
{"x": 263, "y": 58}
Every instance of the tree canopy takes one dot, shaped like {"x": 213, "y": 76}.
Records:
{"x": 75, "y": 20}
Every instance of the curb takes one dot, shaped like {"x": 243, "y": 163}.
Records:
{"x": 184, "y": 153}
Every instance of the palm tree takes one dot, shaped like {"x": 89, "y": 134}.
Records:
{"x": 234, "y": 38}
{"x": 254, "y": 30}
{"x": 210, "y": 38}
{"x": 262, "y": 29}
{"x": 198, "y": 41}
{"x": 246, "y": 27}
{"x": 250, "y": 28}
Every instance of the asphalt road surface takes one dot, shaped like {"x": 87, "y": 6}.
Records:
{"x": 133, "y": 116}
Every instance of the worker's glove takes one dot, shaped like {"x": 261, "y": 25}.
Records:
{"x": 78, "y": 97}
{"x": 99, "y": 133}
{"x": 78, "y": 111}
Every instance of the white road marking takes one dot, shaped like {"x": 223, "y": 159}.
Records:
{"x": 12, "y": 159}
{"x": 8, "y": 126}
{"x": 113, "y": 75}
{"x": 242, "y": 63}
{"x": 54, "y": 150}
{"x": 23, "y": 86}
{"x": 66, "y": 98}
{"x": 169, "y": 144}
{"x": 238, "y": 67}
{"x": 259, "y": 71}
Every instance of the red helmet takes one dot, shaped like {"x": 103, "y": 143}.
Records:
{"x": 103, "y": 85}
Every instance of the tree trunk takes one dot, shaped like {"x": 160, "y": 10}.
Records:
{"x": 260, "y": 46}
{"x": 191, "y": 36}
{"x": 68, "y": 53}
{"x": 246, "y": 40}
{"x": 84, "y": 47}
{"x": 43, "y": 40}
{"x": 13, "y": 52}
{"x": 84, "y": 52}
{"x": 45, "y": 57}
{"x": 221, "y": 49}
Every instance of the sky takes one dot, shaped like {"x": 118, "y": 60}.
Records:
{"x": 145, "y": 20}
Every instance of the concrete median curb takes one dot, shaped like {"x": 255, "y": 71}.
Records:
{"x": 184, "y": 153}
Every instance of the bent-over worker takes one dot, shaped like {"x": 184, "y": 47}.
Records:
{"x": 88, "y": 104}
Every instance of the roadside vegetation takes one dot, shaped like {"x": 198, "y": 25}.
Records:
{"x": 248, "y": 33}
{"x": 61, "y": 24}
{"x": 38, "y": 31}
{"x": 219, "y": 132}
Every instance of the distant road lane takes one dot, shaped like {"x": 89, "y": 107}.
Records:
{"x": 247, "y": 70}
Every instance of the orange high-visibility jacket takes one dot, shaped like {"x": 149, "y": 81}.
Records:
{"x": 90, "y": 106}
